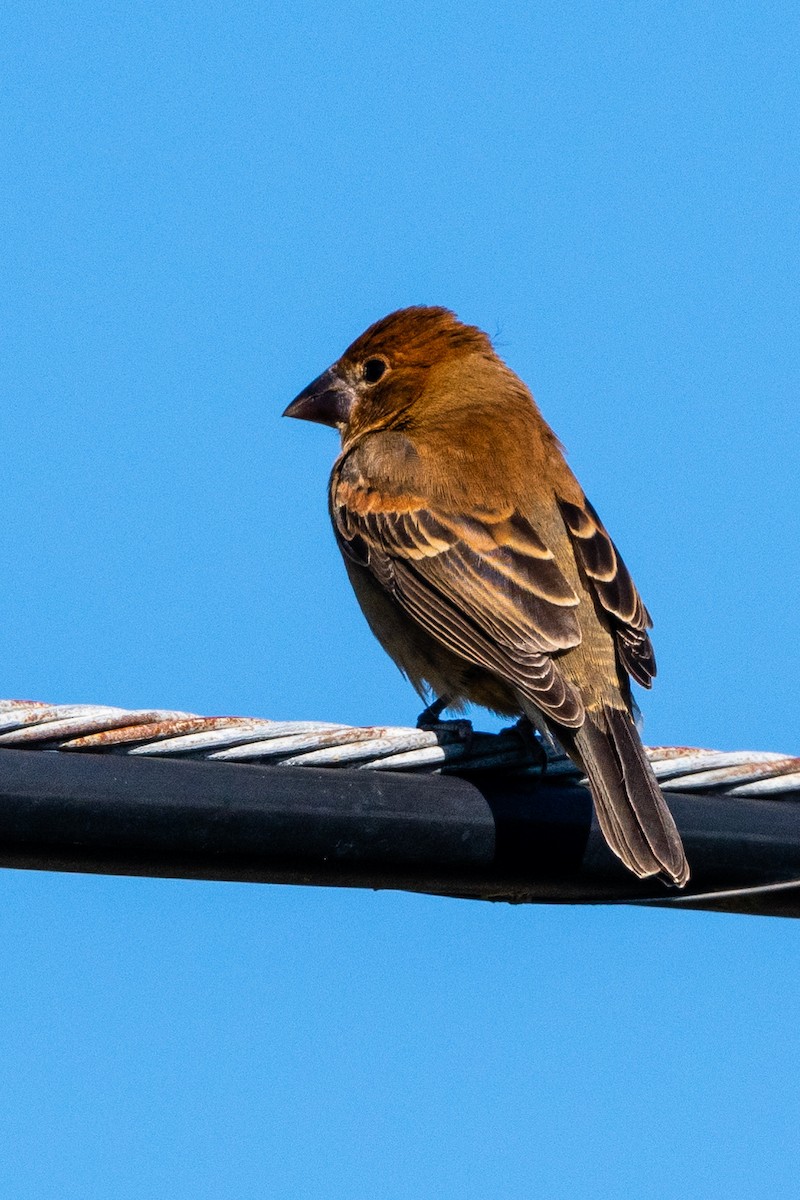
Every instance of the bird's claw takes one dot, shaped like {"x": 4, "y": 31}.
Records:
{"x": 531, "y": 741}
{"x": 458, "y": 730}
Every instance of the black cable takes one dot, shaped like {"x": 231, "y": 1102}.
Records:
{"x": 488, "y": 836}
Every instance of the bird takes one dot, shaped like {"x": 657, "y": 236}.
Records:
{"x": 480, "y": 565}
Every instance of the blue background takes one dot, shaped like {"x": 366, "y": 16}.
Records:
{"x": 202, "y": 205}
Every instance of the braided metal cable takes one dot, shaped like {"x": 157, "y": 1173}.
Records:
{"x": 452, "y": 746}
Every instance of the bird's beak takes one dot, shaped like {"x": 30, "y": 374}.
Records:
{"x": 328, "y": 401}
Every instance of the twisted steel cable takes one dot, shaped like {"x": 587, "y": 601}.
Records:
{"x": 32, "y": 725}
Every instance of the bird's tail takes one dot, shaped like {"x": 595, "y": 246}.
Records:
{"x": 634, "y": 819}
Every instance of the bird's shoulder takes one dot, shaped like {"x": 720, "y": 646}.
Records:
{"x": 385, "y": 462}
{"x": 457, "y": 461}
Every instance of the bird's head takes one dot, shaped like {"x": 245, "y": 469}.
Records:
{"x": 380, "y": 377}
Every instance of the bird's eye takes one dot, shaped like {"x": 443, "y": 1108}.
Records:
{"x": 373, "y": 370}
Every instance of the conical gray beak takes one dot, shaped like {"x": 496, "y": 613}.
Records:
{"x": 328, "y": 401}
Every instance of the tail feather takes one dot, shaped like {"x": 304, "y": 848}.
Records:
{"x": 632, "y": 813}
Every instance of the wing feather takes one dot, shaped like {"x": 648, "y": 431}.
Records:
{"x": 614, "y": 589}
{"x": 485, "y": 585}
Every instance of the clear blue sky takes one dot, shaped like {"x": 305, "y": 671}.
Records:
{"x": 202, "y": 205}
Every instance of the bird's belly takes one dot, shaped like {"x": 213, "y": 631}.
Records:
{"x": 428, "y": 664}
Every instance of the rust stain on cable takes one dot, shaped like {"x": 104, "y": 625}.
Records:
{"x": 33, "y": 725}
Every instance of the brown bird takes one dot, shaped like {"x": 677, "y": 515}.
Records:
{"x": 480, "y": 565}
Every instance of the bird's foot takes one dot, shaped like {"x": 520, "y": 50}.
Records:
{"x": 459, "y": 730}
{"x": 532, "y": 741}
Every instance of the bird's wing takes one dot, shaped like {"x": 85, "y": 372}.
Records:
{"x": 614, "y": 589}
{"x": 484, "y": 584}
